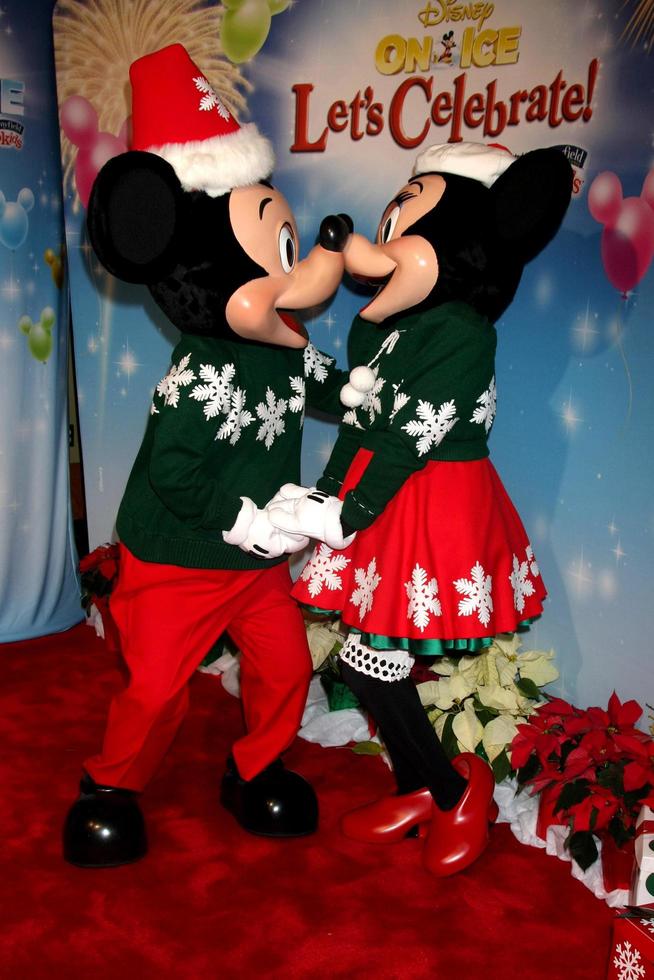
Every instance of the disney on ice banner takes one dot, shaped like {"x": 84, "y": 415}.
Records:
{"x": 39, "y": 591}
{"x": 350, "y": 91}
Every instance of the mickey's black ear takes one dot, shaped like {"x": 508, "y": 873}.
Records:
{"x": 133, "y": 217}
{"x": 531, "y": 199}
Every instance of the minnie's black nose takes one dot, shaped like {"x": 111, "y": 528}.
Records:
{"x": 334, "y": 231}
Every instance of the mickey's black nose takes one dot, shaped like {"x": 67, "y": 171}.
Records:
{"x": 334, "y": 231}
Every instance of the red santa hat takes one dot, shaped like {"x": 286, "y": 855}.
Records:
{"x": 177, "y": 115}
{"x": 474, "y": 160}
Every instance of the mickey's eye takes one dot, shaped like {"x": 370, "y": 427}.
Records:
{"x": 388, "y": 227}
{"x": 287, "y": 248}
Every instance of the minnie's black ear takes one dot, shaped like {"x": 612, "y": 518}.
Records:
{"x": 531, "y": 199}
{"x": 133, "y": 217}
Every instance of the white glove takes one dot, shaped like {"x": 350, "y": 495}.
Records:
{"x": 253, "y": 532}
{"x": 307, "y": 511}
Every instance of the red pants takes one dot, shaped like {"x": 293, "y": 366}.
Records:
{"x": 168, "y": 618}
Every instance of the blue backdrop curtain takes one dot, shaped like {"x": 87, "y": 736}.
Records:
{"x": 39, "y": 590}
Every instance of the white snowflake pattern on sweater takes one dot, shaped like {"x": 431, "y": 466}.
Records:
{"x": 372, "y": 402}
{"x": 316, "y": 363}
{"x": 179, "y": 376}
{"x": 367, "y": 581}
{"x": 238, "y": 418}
{"x": 423, "y": 598}
{"x": 271, "y": 412}
{"x": 477, "y": 592}
{"x": 297, "y": 401}
{"x": 217, "y": 390}
{"x": 432, "y": 424}
{"x": 321, "y": 571}
{"x": 487, "y": 401}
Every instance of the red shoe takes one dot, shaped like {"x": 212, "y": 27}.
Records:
{"x": 457, "y": 837}
{"x": 388, "y": 820}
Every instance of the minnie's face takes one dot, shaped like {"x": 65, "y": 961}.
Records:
{"x": 405, "y": 265}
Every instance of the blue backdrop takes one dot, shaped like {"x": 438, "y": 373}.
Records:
{"x": 38, "y": 586}
{"x": 350, "y": 92}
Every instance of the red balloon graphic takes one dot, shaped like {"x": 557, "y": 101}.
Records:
{"x": 627, "y": 245}
{"x": 79, "y": 122}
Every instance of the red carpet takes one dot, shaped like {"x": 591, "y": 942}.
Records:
{"x": 211, "y": 901}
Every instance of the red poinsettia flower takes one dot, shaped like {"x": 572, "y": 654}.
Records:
{"x": 640, "y": 771}
{"x": 595, "y": 811}
{"x": 532, "y": 739}
{"x": 618, "y": 717}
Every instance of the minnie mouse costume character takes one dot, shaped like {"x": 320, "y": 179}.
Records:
{"x": 187, "y": 212}
{"x": 441, "y": 562}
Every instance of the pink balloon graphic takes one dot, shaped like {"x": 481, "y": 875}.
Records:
{"x": 627, "y": 245}
{"x": 605, "y": 197}
{"x": 91, "y": 159}
{"x": 79, "y": 122}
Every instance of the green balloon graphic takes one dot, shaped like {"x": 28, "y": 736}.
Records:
{"x": 276, "y": 6}
{"x": 40, "y": 342}
{"x": 233, "y": 4}
{"x": 244, "y": 30}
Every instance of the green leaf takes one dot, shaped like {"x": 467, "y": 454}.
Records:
{"x": 367, "y": 748}
{"x": 448, "y": 739}
{"x": 583, "y": 848}
{"x": 529, "y": 688}
{"x": 486, "y": 715}
{"x": 501, "y": 766}
{"x": 530, "y": 769}
{"x": 572, "y": 793}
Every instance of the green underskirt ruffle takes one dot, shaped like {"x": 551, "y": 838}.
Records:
{"x": 424, "y": 648}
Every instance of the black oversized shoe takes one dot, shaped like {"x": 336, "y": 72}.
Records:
{"x": 276, "y": 803}
{"x": 104, "y": 827}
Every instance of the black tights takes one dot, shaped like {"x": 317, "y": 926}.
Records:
{"x": 417, "y": 755}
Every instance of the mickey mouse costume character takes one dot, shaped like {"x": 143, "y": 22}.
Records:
{"x": 441, "y": 562}
{"x": 187, "y": 212}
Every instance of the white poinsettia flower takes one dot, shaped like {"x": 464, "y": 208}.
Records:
{"x": 494, "y": 696}
{"x": 428, "y": 692}
{"x": 439, "y": 724}
{"x": 445, "y": 667}
{"x": 321, "y": 638}
{"x": 452, "y": 690}
{"x": 537, "y": 666}
{"x": 508, "y": 645}
{"x": 499, "y": 733}
{"x": 467, "y": 728}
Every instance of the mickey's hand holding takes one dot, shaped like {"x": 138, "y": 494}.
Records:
{"x": 254, "y": 532}
{"x": 310, "y": 512}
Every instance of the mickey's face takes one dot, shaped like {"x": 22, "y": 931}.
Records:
{"x": 404, "y": 264}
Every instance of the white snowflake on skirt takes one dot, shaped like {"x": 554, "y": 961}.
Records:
{"x": 322, "y": 570}
{"x": 423, "y": 598}
{"x": 367, "y": 581}
{"x": 477, "y": 591}
{"x": 627, "y": 962}
{"x": 521, "y": 585}
{"x": 533, "y": 564}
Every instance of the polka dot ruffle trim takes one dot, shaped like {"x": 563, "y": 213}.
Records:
{"x": 386, "y": 665}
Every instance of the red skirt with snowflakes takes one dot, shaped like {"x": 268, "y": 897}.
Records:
{"x": 447, "y": 564}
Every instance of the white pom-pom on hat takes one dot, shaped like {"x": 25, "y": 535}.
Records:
{"x": 474, "y": 160}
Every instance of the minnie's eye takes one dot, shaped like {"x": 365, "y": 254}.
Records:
{"x": 287, "y": 248}
{"x": 388, "y": 227}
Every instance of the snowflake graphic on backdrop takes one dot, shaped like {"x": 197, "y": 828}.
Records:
{"x": 367, "y": 582}
{"x": 179, "y": 376}
{"x": 271, "y": 412}
{"x": 322, "y": 570}
{"x": 487, "y": 402}
{"x": 423, "y": 598}
{"x": 316, "y": 363}
{"x": 297, "y": 401}
{"x": 238, "y": 418}
{"x": 627, "y": 962}
{"x": 521, "y": 585}
{"x": 217, "y": 390}
{"x": 477, "y": 592}
{"x": 533, "y": 564}
{"x": 209, "y": 98}
{"x": 432, "y": 424}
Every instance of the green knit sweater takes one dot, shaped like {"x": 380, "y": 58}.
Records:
{"x": 225, "y": 423}
{"x": 433, "y": 399}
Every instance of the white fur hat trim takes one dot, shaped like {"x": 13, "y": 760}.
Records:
{"x": 474, "y": 160}
{"x": 221, "y": 163}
